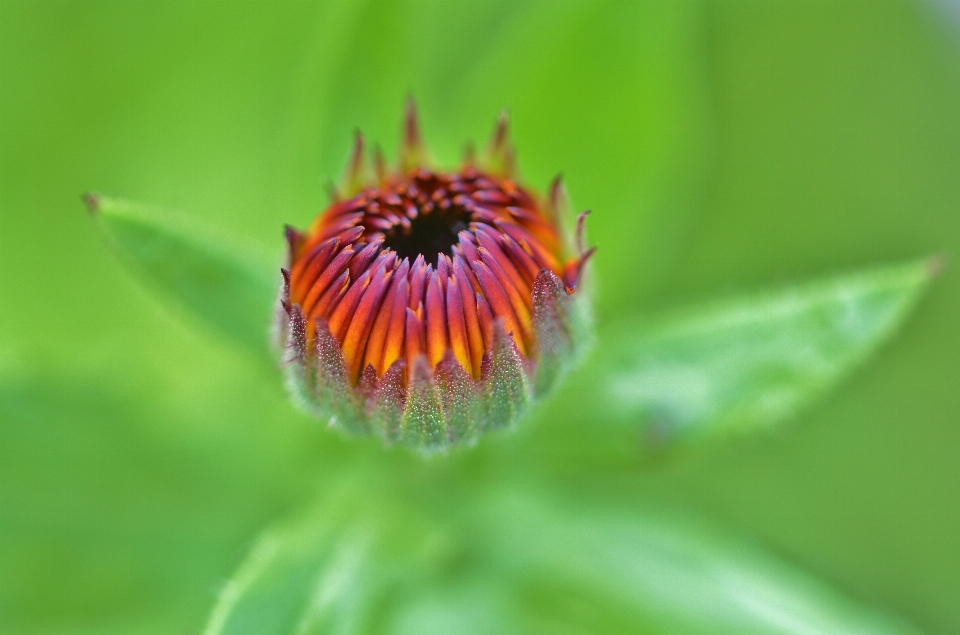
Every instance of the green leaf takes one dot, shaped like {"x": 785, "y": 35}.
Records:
{"x": 519, "y": 565}
{"x": 600, "y": 570}
{"x": 339, "y": 568}
{"x": 228, "y": 284}
{"x": 750, "y": 362}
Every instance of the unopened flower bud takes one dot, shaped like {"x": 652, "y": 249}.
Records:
{"x": 427, "y": 306}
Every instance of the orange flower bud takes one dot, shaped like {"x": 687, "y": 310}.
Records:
{"x": 425, "y": 305}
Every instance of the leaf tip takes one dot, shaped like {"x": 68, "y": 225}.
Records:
{"x": 92, "y": 201}
{"x": 937, "y": 264}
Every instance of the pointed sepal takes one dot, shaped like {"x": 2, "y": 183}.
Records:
{"x": 423, "y": 425}
{"x": 359, "y": 174}
{"x": 459, "y": 399}
{"x": 413, "y": 151}
{"x": 330, "y": 385}
{"x": 505, "y": 390}
{"x": 558, "y": 201}
{"x": 300, "y": 364}
{"x": 552, "y": 330}
{"x": 499, "y": 157}
{"x": 389, "y": 404}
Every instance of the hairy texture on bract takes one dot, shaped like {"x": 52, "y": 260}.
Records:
{"x": 425, "y": 306}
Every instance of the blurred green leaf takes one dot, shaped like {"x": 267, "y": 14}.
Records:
{"x": 227, "y": 284}
{"x": 518, "y": 565}
{"x": 748, "y": 363}
{"x": 126, "y": 496}
{"x": 651, "y": 570}
{"x": 337, "y": 569}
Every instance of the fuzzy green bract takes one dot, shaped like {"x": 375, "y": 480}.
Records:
{"x": 442, "y": 407}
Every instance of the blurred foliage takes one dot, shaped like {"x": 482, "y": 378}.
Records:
{"x": 354, "y": 567}
{"x": 232, "y": 287}
{"x": 747, "y": 363}
{"x": 721, "y": 145}
{"x": 520, "y": 563}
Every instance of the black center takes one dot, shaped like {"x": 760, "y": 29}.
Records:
{"x": 429, "y": 235}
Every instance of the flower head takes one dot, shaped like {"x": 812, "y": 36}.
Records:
{"x": 426, "y": 306}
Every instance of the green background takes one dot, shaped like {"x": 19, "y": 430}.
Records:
{"x": 722, "y": 146}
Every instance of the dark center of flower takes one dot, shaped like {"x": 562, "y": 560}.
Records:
{"x": 428, "y": 234}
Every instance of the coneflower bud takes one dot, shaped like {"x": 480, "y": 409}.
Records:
{"x": 426, "y": 307}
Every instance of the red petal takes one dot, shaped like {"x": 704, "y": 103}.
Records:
{"x": 305, "y": 270}
{"x": 362, "y": 321}
{"x": 436, "y": 321}
{"x": 499, "y": 303}
{"x": 443, "y": 267}
{"x": 469, "y": 247}
{"x": 521, "y": 259}
{"x": 330, "y": 298}
{"x": 517, "y": 304}
{"x": 347, "y": 306}
{"x": 363, "y": 258}
{"x": 373, "y": 354}
{"x": 414, "y": 337}
{"x": 455, "y": 323}
{"x": 418, "y": 273}
{"x": 529, "y": 242}
{"x": 330, "y": 273}
{"x": 514, "y": 278}
{"x": 485, "y": 316}
{"x": 394, "y": 345}
{"x": 474, "y": 334}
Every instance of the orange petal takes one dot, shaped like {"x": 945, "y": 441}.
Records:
{"x": 362, "y": 321}
{"x": 436, "y": 321}
{"x": 543, "y": 257}
{"x": 456, "y": 326}
{"x": 347, "y": 306}
{"x": 474, "y": 335}
{"x": 521, "y": 259}
{"x": 362, "y": 259}
{"x": 414, "y": 337}
{"x": 485, "y": 316}
{"x": 469, "y": 247}
{"x": 394, "y": 345}
{"x": 306, "y": 270}
{"x": 319, "y": 288}
{"x": 499, "y": 303}
{"x": 418, "y": 274}
{"x": 443, "y": 267}
{"x": 329, "y": 300}
{"x": 517, "y": 303}
{"x": 373, "y": 354}
{"x": 513, "y": 277}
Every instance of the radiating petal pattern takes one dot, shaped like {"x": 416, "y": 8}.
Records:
{"x": 454, "y": 283}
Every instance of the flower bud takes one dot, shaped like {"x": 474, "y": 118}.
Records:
{"x": 427, "y": 306}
